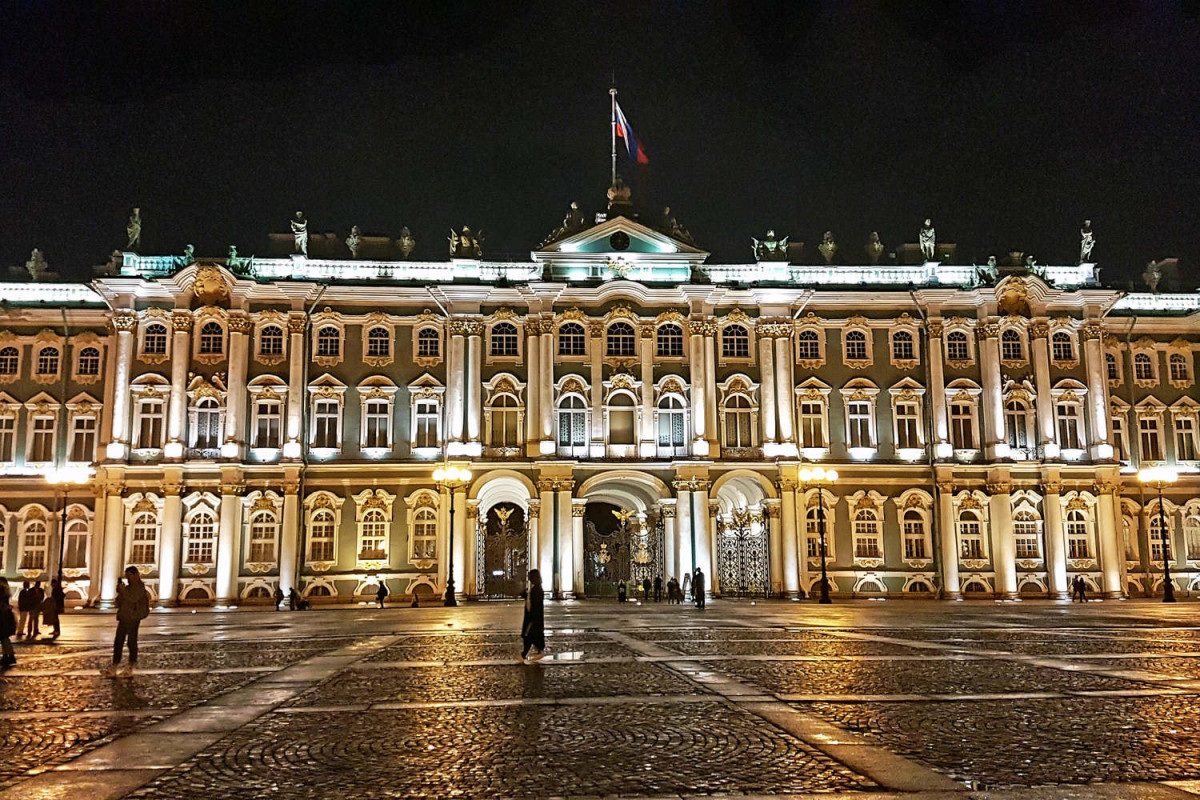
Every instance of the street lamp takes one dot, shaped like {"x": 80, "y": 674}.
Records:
{"x": 66, "y": 478}
{"x": 451, "y": 479}
{"x": 820, "y": 477}
{"x": 1158, "y": 478}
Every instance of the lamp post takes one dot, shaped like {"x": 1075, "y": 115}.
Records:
{"x": 66, "y": 478}
{"x": 820, "y": 478}
{"x": 451, "y": 479}
{"x": 1158, "y": 478}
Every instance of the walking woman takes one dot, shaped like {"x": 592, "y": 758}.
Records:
{"x": 533, "y": 624}
{"x": 8, "y": 626}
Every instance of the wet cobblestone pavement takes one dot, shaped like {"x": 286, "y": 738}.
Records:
{"x": 639, "y": 702}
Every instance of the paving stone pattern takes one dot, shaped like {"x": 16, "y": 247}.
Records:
{"x": 95, "y": 693}
{"x": 823, "y": 648}
{"x": 27, "y": 744}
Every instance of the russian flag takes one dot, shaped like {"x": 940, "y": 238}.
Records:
{"x": 632, "y": 146}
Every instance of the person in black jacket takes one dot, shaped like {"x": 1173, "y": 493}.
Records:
{"x": 381, "y": 594}
{"x": 533, "y": 623}
{"x": 8, "y": 626}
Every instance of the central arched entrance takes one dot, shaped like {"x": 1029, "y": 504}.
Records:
{"x": 742, "y": 539}
{"x": 504, "y": 541}
{"x": 623, "y": 532}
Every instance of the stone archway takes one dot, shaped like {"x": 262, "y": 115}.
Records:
{"x": 742, "y": 549}
{"x": 624, "y": 535}
{"x": 501, "y": 536}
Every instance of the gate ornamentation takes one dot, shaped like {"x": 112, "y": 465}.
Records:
{"x": 627, "y": 551}
{"x": 502, "y": 551}
{"x": 742, "y": 555}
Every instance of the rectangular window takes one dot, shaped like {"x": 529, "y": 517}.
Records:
{"x": 321, "y": 537}
{"x": 8, "y": 436}
{"x": 859, "y": 417}
{"x": 962, "y": 426}
{"x": 1185, "y": 439}
{"x": 908, "y": 426}
{"x": 1120, "y": 446}
{"x": 83, "y": 439}
{"x": 268, "y": 431}
{"x": 326, "y": 415}
{"x": 375, "y": 424}
{"x": 914, "y": 539}
{"x": 425, "y": 535}
{"x": 1025, "y": 536}
{"x": 150, "y": 423}
{"x": 41, "y": 443}
{"x": 1151, "y": 444}
{"x": 76, "y": 547}
{"x": 262, "y": 539}
{"x": 1068, "y": 427}
{"x": 812, "y": 423}
{"x": 426, "y": 424}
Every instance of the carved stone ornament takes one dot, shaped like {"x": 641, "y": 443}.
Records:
{"x": 573, "y": 385}
{"x": 124, "y": 322}
{"x": 999, "y": 487}
{"x": 935, "y": 329}
{"x": 1105, "y": 487}
{"x": 1038, "y": 330}
{"x": 578, "y": 510}
{"x": 970, "y": 501}
{"x": 210, "y": 287}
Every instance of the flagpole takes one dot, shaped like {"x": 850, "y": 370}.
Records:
{"x": 613, "y": 94}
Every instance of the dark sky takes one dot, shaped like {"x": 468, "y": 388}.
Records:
{"x": 1008, "y": 123}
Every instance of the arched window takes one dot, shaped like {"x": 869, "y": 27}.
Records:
{"x": 671, "y": 436}
{"x": 154, "y": 340}
{"x": 1191, "y": 537}
{"x": 143, "y": 538}
{"x": 970, "y": 534}
{"x": 264, "y": 530}
{"x": 735, "y": 342}
{"x": 856, "y": 346}
{"x": 372, "y": 536}
{"x": 812, "y": 529}
{"x": 320, "y": 535}
{"x": 504, "y": 339}
{"x": 621, "y": 339}
{"x": 212, "y": 339}
{"x": 33, "y": 545}
{"x": 1061, "y": 347}
{"x": 1026, "y": 534}
{"x": 739, "y": 421}
{"x": 902, "y": 346}
{"x": 379, "y": 342}
{"x": 208, "y": 424}
{"x": 808, "y": 346}
{"x": 504, "y": 426}
{"x": 428, "y": 343}
{"x": 572, "y": 423}
{"x": 1110, "y": 366}
{"x": 47, "y": 361}
{"x": 89, "y": 362}
{"x": 1010, "y": 345}
{"x": 1077, "y": 534}
{"x": 669, "y": 341}
{"x": 1156, "y": 535}
{"x": 270, "y": 340}
{"x": 957, "y": 346}
{"x": 572, "y": 339}
{"x": 622, "y": 414}
{"x": 329, "y": 342}
{"x": 1143, "y": 367}
{"x": 1016, "y": 424}
{"x": 201, "y": 535}
{"x": 913, "y": 524}
{"x": 9, "y": 360}
{"x": 866, "y": 535}
{"x": 1177, "y": 369}
{"x": 424, "y": 536}
{"x": 75, "y": 549}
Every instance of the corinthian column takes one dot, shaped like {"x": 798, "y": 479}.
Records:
{"x": 1038, "y": 331}
{"x": 455, "y": 378}
{"x": 771, "y": 510}
{"x": 533, "y": 389}
{"x": 118, "y": 446}
{"x": 696, "y": 373}
{"x": 474, "y": 389}
{"x": 578, "y": 510}
{"x": 648, "y": 446}
{"x": 235, "y": 399}
{"x": 937, "y": 393}
{"x": 114, "y": 543}
{"x": 292, "y": 448}
{"x": 169, "y": 542}
{"x": 1056, "y": 543}
{"x": 992, "y": 402}
{"x": 1097, "y": 395}
{"x": 785, "y": 395}
{"x": 289, "y": 542}
{"x": 1004, "y": 549}
{"x": 545, "y": 385}
{"x": 793, "y": 547}
{"x": 1111, "y": 551}
{"x": 949, "y": 540}
{"x": 229, "y": 543}
{"x": 181, "y": 358}
{"x": 766, "y": 371}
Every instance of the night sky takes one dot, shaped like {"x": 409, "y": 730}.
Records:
{"x": 1007, "y": 123}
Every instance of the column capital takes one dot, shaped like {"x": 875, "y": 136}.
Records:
{"x": 935, "y": 329}
{"x": 773, "y": 510}
{"x": 460, "y": 326}
{"x": 1106, "y": 487}
{"x": 291, "y": 485}
{"x": 578, "y": 510}
{"x": 535, "y": 508}
{"x": 1038, "y": 330}
{"x": 181, "y": 321}
{"x": 946, "y": 486}
{"x": 233, "y": 489}
{"x": 564, "y": 484}
{"x": 714, "y": 509}
{"x": 995, "y": 488}
{"x": 595, "y": 329}
{"x": 296, "y": 323}
{"x": 702, "y": 327}
{"x": 536, "y": 327}
{"x": 774, "y": 329}
{"x": 114, "y": 488}
{"x": 1092, "y": 329}
{"x": 124, "y": 321}
{"x": 787, "y": 484}
{"x": 668, "y": 512}
{"x": 691, "y": 485}
{"x": 239, "y": 323}
{"x": 545, "y": 485}
{"x": 472, "y": 510}
{"x": 1051, "y": 487}
{"x": 987, "y": 330}
{"x": 647, "y": 330}
{"x": 172, "y": 489}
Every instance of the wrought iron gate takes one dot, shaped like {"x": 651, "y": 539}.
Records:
{"x": 502, "y": 551}
{"x": 619, "y": 547}
{"x": 742, "y": 556}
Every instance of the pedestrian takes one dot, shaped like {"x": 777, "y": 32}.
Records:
{"x": 60, "y": 602}
{"x": 292, "y": 599}
{"x": 24, "y": 598}
{"x": 1082, "y": 589}
{"x": 621, "y": 593}
{"x": 279, "y": 598}
{"x": 533, "y": 622}
{"x": 416, "y": 603}
{"x": 698, "y": 588}
{"x": 37, "y": 597}
{"x": 8, "y": 626}
{"x": 687, "y": 585}
{"x": 49, "y": 610}
{"x": 133, "y": 606}
{"x": 658, "y": 588}
{"x": 381, "y": 594}
{"x": 672, "y": 589}
{"x": 646, "y": 589}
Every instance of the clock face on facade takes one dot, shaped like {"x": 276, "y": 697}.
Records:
{"x": 619, "y": 240}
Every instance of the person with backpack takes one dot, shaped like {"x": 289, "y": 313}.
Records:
{"x": 133, "y": 606}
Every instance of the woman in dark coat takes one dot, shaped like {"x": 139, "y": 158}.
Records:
{"x": 533, "y": 624}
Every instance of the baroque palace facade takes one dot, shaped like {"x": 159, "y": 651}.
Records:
{"x": 627, "y": 410}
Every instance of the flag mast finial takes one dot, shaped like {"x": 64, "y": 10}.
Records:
{"x": 613, "y": 94}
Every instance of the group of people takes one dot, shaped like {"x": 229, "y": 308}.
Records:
{"x": 35, "y": 607}
{"x": 1079, "y": 589}
{"x": 675, "y": 591}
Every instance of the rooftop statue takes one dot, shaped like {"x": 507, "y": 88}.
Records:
{"x": 300, "y": 232}
{"x": 352, "y": 242}
{"x": 134, "y": 230}
{"x": 671, "y": 227}
{"x": 465, "y": 245}
{"x": 407, "y": 242}
{"x": 572, "y": 223}
{"x": 928, "y": 240}
{"x": 1159, "y": 271}
{"x": 770, "y": 248}
{"x": 188, "y": 257}
{"x": 36, "y": 266}
{"x": 987, "y": 275}
{"x": 236, "y": 264}
{"x": 874, "y": 248}
{"x": 1087, "y": 240}
{"x": 828, "y": 247}
{"x": 619, "y": 194}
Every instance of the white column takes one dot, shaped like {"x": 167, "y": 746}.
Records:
{"x": 470, "y": 586}
{"x": 118, "y": 447}
{"x": 229, "y": 543}
{"x": 474, "y": 389}
{"x": 289, "y": 540}
{"x": 794, "y": 549}
{"x": 578, "y": 509}
{"x": 596, "y": 354}
{"x": 169, "y": 542}
{"x": 648, "y": 447}
{"x": 714, "y": 581}
{"x": 696, "y": 370}
{"x": 1004, "y": 549}
{"x": 949, "y": 540}
{"x": 95, "y": 565}
{"x": 670, "y": 538}
{"x": 460, "y": 540}
{"x": 297, "y": 390}
{"x": 235, "y": 398}
{"x": 533, "y": 387}
{"x": 534, "y": 546}
{"x": 1112, "y": 552}
{"x": 710, "y": 388}
{"x": 1097, "y": 394}
{"x": 937, "y": 395}
{"x": 566, "y": 540}
{"x": 1041, "y": 376}
{"x": 1056, "y": 543}
{"x": 766, "y": 369}
{"x": 545, "y": 555}
{"x": 181, "y": 359}
{"x": 700, "y": 518}
{"x": 684, "y": 532}
{"x": 785, "y": 396}
{"x": 546, "y": 386}
{"x": 114, "y": 545}
{"x": 455, "y": 377}
{"x": 771, "y": 511}
{"x": 991, "y": 401}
